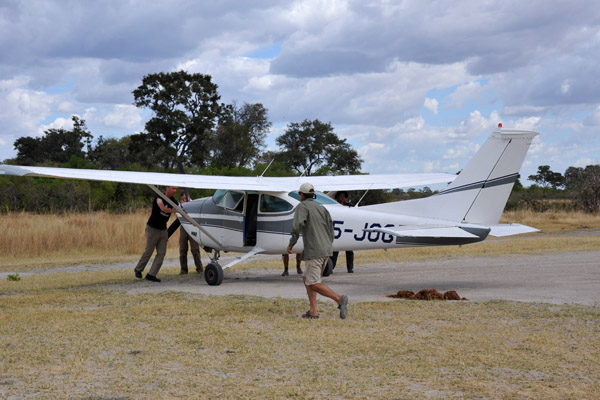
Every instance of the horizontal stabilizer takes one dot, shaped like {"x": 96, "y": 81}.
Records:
{"x": 426, "y": 231}
{"x": 500, "y": 230}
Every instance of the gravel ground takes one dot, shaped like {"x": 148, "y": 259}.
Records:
{"x": 550, "y": 278}
{"x": 557, "y": 278}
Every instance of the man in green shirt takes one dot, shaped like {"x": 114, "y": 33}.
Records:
{"x": 314, "y": 222}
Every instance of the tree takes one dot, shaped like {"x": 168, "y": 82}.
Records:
{"x": 545, "y": 177}
{"x": 111, "y": 153}
{"x": 185, "y": 110}
{"x": 240, "y": 136}
{"x": 585, "y": 182}
{"x": 309, "y": 145}
{"x": 56, "y": 146}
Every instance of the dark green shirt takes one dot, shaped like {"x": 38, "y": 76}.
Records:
{"x": 314, "y": 222}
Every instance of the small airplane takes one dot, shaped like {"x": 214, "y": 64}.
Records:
{"x": 253, "y": 215}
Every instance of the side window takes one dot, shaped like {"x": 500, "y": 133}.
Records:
{"x": 270, "y": 203}
{"x": 232, "y": 201}
{"x": 320, "y": 198}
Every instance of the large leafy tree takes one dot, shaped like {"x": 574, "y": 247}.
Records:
{"x": 111, "y": 153}
{"x": 585, "y": 183}
{"x": 185, "y": 110}
{"x": 546, "y": 177}
{"x": 311, "y": 147}
{"x": 240, "y": 136}
{"x": 56, "y": 146}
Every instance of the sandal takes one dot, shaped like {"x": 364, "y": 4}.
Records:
{"x": 309, "y": 315}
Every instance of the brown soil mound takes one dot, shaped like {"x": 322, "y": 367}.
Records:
{"x": 426, "y": 294}
{"x": 403, "y": 294}
{"x": 452, "y": 295}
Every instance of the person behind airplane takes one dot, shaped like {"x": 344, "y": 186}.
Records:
{"x": 184, "y": 239}
{"x": 156, "y": 235}
{"x": 314, "y": 222}
{"x": 286, "y": 263}
{"x": 342, "y": 198}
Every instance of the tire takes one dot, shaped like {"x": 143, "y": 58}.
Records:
{"x": 213, "y": 274}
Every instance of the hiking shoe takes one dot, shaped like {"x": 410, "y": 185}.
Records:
{"x": 343, "y": 307}
{"x": 152, "y": 278}
{"x": 308, "y": 315}
{"x": 138, "y": 274}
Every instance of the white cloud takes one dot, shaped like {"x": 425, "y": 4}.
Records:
{"x": 58, "y": 123}
{"x": 594, "y": 118}
{"x": 123, "y": 116}
{"x": 22, "y": 109}
{"x": 584, "y": 162}
{"x": 431, "y": 105}
{"x": 464, "y": 93}
{"x": 528, "y": 124}
{"x": 565, "y": 86}
{"x": 461, "y": 151}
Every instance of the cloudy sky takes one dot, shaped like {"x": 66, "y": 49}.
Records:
{"x": 415, "y": 86}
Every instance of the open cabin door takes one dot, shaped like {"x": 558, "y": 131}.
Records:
{"x": 250, "y": 219}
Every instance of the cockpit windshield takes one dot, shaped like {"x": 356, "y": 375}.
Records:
{"x": 320, "y": 198}
{"x": 229, "y": 199}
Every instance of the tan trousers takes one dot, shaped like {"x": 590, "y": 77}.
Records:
{"x": 184, "y": 239}
{"x": 155, "y": 239}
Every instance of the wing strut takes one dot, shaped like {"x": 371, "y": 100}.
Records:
{"x": 363, "y": 196}
{"x": 183, "y": 213}
{"x": 255, "y": 250}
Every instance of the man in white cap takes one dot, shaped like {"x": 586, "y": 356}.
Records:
{"x": 314, "y": 222}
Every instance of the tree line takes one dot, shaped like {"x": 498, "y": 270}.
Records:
{"x": 191, "y": 129}
{"x": 577, "y": 189}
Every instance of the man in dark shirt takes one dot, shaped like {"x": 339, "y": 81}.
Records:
{"x": 156, "y": 235}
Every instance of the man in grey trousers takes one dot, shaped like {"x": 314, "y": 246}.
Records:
{"x": 314, "y": 222}
{"x": 156, "y": 235}
{"x": 184, "y": 239}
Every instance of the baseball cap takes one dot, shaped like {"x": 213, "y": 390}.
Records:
{"x": 306, "y": 188}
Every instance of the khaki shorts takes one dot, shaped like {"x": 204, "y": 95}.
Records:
{"x": 313, "y": 270}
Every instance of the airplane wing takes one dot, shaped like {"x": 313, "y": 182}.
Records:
{"x": 247, "y": 183}
{"x": 425, "y": 231}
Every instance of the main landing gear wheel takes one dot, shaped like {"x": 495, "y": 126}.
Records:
{"x": 213, "y": 274}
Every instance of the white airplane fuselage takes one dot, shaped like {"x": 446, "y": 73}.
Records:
{"x": 228, "y": 228}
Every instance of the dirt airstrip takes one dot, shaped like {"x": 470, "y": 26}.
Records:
{"x": 556, "y": 278}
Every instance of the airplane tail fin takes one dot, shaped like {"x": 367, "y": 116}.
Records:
{"x": 479, "y": 193}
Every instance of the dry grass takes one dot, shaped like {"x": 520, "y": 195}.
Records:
{"x": 63, "y": 338}
{"x": 63, "y": 239}
{"x": 43, "y": 240}
{"x": 553, "y": 221}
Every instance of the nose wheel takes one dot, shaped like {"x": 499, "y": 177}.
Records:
{"x": 213, "y": 274}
